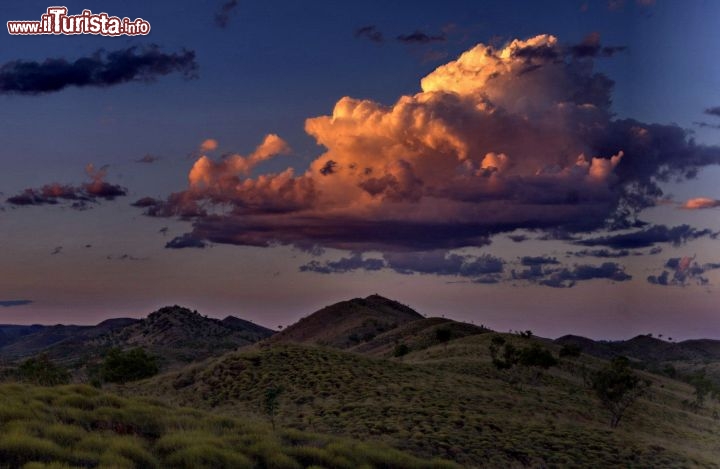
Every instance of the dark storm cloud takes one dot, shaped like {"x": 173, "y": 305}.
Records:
{"x": 11, "y": 303}
{"x": 101, "y": 69}
{"x": 706, "y": 125}
{"x": 591, "y": 47}
{"x": 713, "y": 111}
{"x": 222, "y": 17}
{"x": 149, "y": 159}
{"x": 346, "y": 264}
{"x": 145, "y": 202}
{"x": 683, "y": 271}
{"x": 537, "y": 260}
{"x": 185, "y": 241}
{"x": 371, "y": 33}
{"x": 649, "y": 237}
{"x": 409, "y": 263}
{"x": 568, "y": 277}
{"x": 602, "y": 253}
{"x": 420, "y": 37}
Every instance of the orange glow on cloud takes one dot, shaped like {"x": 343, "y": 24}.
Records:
{"x": 700, "y": 203}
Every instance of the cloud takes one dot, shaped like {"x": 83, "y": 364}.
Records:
{"x": 222, "y": 17}
{"x": 700, "y": 203}
{"x": 145, "y": 202}
{"x": 371, "y": 33}
{"x": 537, "y": 260}
{"x": 148, "y": 159}
{"x": 683, "y": 271}
{"x": 420, "y": 37}
{"x": 649, "y": 237}
{"x": 518, "y": 238}
{"x": 591, "y": 47}
{"x": 208, "y": 145}
{"x": 409, "y": 263}
{"x": 706, "y": 125}
{"x": 185, "y": 241}
{"x": 11, "y": 303}
{"x": 53, "y": 194}
{"x": 346, "y": 264}
{"x": 713, "y": 111}
{"x": 101, "y": 69}
{"x": 602, "y": 253}
{"x": 568, "y": 277}
{"x": 518, "y": 137}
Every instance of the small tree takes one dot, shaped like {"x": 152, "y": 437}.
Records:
{"x": 41, "y": 371}
{"x": 270, "y": 403}
{"x": 401, "y": 350}
{"x": 123, "y": 366}
{"x": 537, "y": 356}
{"x": 617, "y": 387}
{"x": 443, "y": 335}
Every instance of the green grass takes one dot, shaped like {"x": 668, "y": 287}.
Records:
{"x": 449, "y": 401}
{"x": 79, "y": 426}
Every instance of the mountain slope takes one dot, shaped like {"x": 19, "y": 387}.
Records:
{"x": 417, "y": 335}
{"x": 39, "y": 338}
{"x": 449, "y": 401}
{"x": 174, "y": 334}
{"x": 348, "y": 323}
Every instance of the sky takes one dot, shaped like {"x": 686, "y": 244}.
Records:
{"x": 522, "y": 165}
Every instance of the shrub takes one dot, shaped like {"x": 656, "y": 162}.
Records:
{"x": 401, "y": 350}
{"x": 121, "y": 367}
{"x": 536, "y": 356}
{"x": 40, "y": 370}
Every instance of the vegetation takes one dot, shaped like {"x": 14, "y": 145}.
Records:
{"x": 41, "y": 371}
{"x": 81, "y": 426}
{"x": 450, "y": 403}
{"x": 401, "y": 350}
{"x": 570, "y": 351}
{"x": 618, "y": 387}
{"x": 271, "y": 403}
{"x": 505, "y": 355}
{"x": 122, "y": 366}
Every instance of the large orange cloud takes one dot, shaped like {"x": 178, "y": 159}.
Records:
{"x": 521, "y": 136}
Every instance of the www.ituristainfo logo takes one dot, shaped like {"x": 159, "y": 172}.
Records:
{"x": 57, "y": 21}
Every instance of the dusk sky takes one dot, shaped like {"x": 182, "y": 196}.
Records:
{"x": 550, "y": 166}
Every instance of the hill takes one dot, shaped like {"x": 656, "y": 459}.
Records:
{"x": 449, "y": 401}
{"x": 80, "y": 426}
{"x": 416, "y": 335}
{"x": 348, "y": 323}
{"x": 674, "y": 359}
{"x": 24, "y": 341}
{"x": 174, "y": 334}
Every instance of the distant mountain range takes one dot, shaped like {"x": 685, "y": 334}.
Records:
{"x": 174, "y": 334}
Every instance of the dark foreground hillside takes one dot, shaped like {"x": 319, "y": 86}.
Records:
{"x": 79, "y": 426}
{"x": 449, "y": 401}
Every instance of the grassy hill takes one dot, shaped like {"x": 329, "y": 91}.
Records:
{"x": 80, "y": 426}
{"x": 416, "y": 335}
{"x": 449, "y": 401}
{"x": 348, "y": 323}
